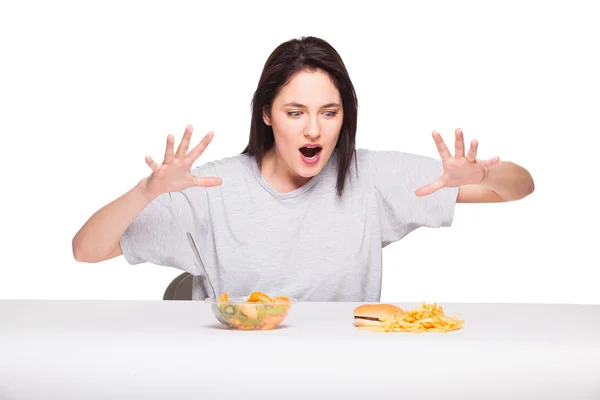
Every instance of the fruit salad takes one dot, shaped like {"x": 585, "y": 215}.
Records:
{"x": 256, "y": 312}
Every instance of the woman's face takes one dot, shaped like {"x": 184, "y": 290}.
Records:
{"x": 306, "y": 118}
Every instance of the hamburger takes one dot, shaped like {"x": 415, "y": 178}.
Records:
{"x": 374, "y": 314}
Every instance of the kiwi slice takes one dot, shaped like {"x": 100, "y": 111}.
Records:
{"x": 250, "y": 321}
{"x": 276, "y": 309}
{"x": 261, "y": 311}
{"x": 228, "y": 310}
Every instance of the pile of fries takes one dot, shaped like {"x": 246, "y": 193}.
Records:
{"x": 427, "y": 318}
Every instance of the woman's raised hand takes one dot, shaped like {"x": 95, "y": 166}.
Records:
{"x": 173, "y": 174}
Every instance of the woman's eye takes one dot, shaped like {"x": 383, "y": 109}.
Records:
{"x": 298, "y": 113}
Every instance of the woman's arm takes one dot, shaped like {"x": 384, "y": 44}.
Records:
{"x": 479, "y": 181}
{"x": 505, "y": 181}
{"x": 99, "y": 238}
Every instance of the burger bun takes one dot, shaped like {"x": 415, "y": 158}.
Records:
{"x": 374, "y": 314}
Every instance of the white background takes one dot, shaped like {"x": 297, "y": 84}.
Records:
{"x": 88, "y": 89}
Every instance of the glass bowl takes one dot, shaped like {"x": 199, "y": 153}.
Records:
{"x": 238, "y": 313}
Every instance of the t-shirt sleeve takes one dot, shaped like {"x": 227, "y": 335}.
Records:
{"x": 158, "y": 234}
{"x": 396, "y": 177}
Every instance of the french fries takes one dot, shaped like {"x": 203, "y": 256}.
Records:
{"x": 427, "y": 318}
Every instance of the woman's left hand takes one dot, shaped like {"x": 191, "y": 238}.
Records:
{"x": 458, "y": 170}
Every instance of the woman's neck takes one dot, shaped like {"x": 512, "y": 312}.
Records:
{"x": 276, "y": 172}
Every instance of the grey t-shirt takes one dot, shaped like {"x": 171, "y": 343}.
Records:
{"x": 308, "y": 244}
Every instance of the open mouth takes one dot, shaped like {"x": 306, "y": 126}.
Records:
{"x": 310, "y": 151}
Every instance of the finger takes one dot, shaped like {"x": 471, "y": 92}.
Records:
{"x": 441, "y": 146}
{"x": 185, "y": 142}
{"x": 169, "y": 149}
{"x": 207, "y": 181}
{"x": 151, "y": 163}
{"x": 490, "y": 162}
{"x": 200, "y": 147}
{"x": 431, "y": 188}
{"x": 459, "y": 145}
{"x": 472, "y": 155}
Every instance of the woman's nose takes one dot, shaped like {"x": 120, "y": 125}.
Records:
{"x": 312, "y": 130}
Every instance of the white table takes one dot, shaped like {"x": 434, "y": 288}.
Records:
{"x": 176, "y": 350}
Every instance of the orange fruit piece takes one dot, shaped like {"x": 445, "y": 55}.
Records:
{"x": 259, "y": 297}
{"x": 281, "y": 298}
{"x": 223, "y": 297}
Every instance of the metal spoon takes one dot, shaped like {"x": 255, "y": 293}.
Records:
{"x": 189, "y": 235}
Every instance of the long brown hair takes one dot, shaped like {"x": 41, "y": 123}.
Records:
{"x": 305, "y": 53}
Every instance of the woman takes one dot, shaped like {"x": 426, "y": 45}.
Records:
{"x": 300, "y": 212}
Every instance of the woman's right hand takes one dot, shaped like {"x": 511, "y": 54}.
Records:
{"x": 173, "y": 175}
